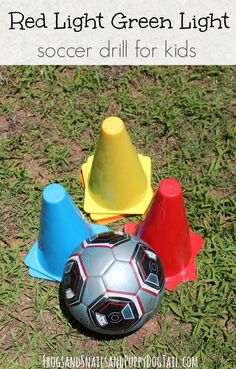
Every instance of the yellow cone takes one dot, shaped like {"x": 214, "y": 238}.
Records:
{"x": 117, "y": 179}
{"x": 102, "y": 219}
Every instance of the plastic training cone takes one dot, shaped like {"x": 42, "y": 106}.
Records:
{"x": 166, "y": 230}
{"x": 117, "y": 179}
{"x": 62, "y": 228}
{"x": 100, "y": 218}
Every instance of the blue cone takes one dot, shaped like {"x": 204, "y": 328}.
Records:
{"x": 62, "y": 229}
{"x": 35, "y": 274}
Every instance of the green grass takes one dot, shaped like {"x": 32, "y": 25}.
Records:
{"x": 184, "y": 118}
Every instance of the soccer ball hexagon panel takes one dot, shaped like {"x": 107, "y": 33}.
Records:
{"x": 115, "y": 284}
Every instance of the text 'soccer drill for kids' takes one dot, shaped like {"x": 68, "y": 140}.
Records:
{"x": 117, "y": 180}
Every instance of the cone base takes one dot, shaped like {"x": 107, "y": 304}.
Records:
{"x": 187, "y": 274}
{"x": 190, "y": 272}
{"x": 36, "y": 270}
{"x": 90, "y": 205}
{"x": 196, "y": 242}
{"x": 33, "y": 273}
{"x": 109, "y": 218}
{"x": 104, "y": 219}
{"x": 81, "y": 176}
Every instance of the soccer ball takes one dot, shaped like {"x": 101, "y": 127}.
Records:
{"x": 113, "y": 283}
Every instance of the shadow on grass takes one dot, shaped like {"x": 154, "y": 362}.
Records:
{"x": 82, "y": 329}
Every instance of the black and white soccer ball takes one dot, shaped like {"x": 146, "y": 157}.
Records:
{"x": 113, "y": 283}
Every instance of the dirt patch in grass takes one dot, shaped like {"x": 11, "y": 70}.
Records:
{"x": 17, "y": 122}
{"x": 148, "y": 331}
{"x": 5, "y": 213}
{"x": 137, "y": 92}
{"x": 113, "y": 108}
{"x": 36, "y": 171}
{"x": 86, "y": 137}
{"x": 91, "y": 345}
{"x": 219, "y": 193}
{"x": 15, "y": 242}
{"x": 7, "y": 334}
{"x": 21, "y": 114}
{"x": 4, "y": 127}
{"x": 112, "y": 73}
{"x": 175, "y": 325}
{"x": 66, "y": 72}
{"x": 51, "y": 129}
{"x": 77, "y": 153}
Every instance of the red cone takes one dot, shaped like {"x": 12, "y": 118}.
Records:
{"x": 166, "y": 230}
